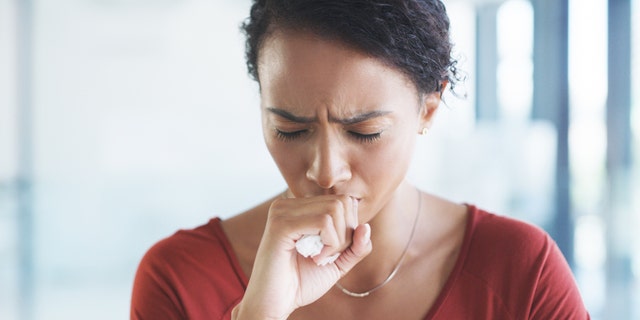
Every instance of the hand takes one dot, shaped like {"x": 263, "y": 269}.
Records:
{"x": 282, "y": 280}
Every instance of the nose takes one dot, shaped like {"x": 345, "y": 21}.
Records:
{"x": 329, "y": 165}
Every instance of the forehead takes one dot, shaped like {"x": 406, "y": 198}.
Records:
{"x": 299, "y": 66}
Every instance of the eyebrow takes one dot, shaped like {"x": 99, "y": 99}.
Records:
{"x": 346, "y": 121}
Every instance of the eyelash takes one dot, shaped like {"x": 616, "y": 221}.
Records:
{"x": 289, "y": 136}
{"x": 367, "y": 138}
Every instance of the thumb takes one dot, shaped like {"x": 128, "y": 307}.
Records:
{"x": 360, "y": 248}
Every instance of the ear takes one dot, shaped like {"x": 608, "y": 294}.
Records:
{"x": 430, "y": 103}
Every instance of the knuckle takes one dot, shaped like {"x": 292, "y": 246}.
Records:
{"x": 336, "y": 203}
{"x": 326, "y": 221}
{"x": 277, "y": 214}
{"x": 337, "y": 207}
{"x": 277, "y": 205}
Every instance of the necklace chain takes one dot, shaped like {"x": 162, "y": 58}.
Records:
{"x": 395, "y": 269}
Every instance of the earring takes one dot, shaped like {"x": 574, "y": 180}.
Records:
{"x": 424, "y": 131}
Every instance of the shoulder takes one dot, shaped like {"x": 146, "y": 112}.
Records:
{"x": 183, "y": 269}
{"x": 496, "y": 235}
{"x": 520, "y": 267}
{"x": 203, "y": 252}
{"x": 499, "y": 246}
{"x": 189, "y": 242}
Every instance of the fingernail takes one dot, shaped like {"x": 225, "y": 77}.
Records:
{"x": 329, "y": 259}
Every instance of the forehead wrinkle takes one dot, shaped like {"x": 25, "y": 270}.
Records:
{"x": 290, "y": 116}
{"x": 358, "y": 118}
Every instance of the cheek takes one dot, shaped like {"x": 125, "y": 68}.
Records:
{"x": 387, "y": 165}
{"x": 287, "y": 158}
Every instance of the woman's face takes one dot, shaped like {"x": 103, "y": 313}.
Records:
{"x": 337, "y": 121}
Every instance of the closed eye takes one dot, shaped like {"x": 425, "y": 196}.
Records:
{"x": 289, "y": 135}
{"x": 369, "y": 138}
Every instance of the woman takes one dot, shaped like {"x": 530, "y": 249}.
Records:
{"x": 346, "y": 86}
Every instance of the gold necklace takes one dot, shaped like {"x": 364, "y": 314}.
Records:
{"x": 395, "y": 269}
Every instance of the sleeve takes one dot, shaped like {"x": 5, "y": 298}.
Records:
{"x": 154, "y": 297}
{"x": 556, "y": 295}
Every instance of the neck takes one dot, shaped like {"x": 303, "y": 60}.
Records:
{"x": 391, "y": 228}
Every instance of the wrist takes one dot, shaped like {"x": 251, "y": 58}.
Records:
{"x": 239, "y": 313}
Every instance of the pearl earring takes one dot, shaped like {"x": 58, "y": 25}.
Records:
{"x": 424, "y": 131}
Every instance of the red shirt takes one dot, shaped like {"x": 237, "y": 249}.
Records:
{"x": 506, "y": 269}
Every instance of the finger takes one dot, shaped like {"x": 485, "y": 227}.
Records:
{"x": 345, "y": 223}
{"x": 352, "y": 218}
{"x": 327, "y": 255}
{"x": 324, "y": 225}
{"x": 359, "y": 249}
{"x": 343, "y": 208}
{"x": 328, "y": 216}
{"x": 344, "y": 213}
{"x": 306, "y": 216}
{"x": 338, "y": 208}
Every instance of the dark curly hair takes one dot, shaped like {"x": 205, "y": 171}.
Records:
{"x": 410, "y": 35}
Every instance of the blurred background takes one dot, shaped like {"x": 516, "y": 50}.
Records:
{"x": 122, "y": 121}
